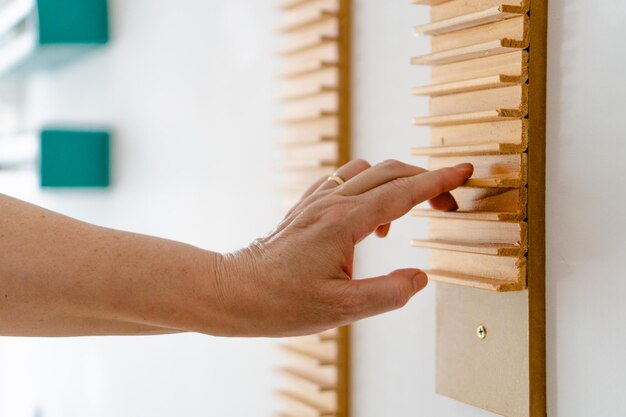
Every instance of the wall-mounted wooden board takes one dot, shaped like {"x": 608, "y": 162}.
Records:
{"x": 487, "y": 107}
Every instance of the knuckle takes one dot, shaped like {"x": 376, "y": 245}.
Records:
{"x": 392, "y": 164}
{"x": 401, "y": 297}
{"x": 361, "y": 164}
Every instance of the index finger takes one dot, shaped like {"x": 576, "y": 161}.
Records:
{"x": 395, "y": 198}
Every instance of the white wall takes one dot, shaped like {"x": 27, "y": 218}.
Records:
{"x": 393, "y": 355}
{"x": 187, "y": 87}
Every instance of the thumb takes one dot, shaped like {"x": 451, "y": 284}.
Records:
{"x": 388, "y": 292}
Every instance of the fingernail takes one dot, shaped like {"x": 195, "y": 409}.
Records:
{"x": 465, "y": 167}
{"x": 420, "y": 280}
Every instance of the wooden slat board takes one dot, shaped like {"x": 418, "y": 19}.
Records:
{"x": 315, "y": 124}
{"x": 487, "y": 107}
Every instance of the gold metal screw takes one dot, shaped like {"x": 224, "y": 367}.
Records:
{"x": 481, "y": 332}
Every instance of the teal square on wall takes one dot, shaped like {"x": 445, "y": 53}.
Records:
{"x": 74, "y": 158}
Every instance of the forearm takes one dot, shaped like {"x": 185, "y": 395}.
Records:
{"x": 62, "y": 277}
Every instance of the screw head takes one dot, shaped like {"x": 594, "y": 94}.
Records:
{"x": 481, "y": 332}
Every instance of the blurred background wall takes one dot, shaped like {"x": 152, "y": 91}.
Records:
{"x": 187, "y": 88}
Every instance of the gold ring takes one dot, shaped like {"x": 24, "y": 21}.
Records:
{"x": 336, "y": 178}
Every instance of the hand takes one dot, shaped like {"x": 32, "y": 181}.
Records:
{"x": 298, "y": 280}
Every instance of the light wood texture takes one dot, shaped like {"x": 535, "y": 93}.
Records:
{"x": 491, "y": 200}
{"x": 514, "y": 65}
{"x": 511, "y": 269}
{"x": 455, "y": 8}
{"x": 514, "y": 131}
{"x": 300, "y": 68}
{"x": 482, "y": 17}
{"x": 514, "y": 98}
{"x": 470, "y": 281}
{"x": 478, "y": 248}
{"x": 430, "y": 2}
{"x": 468, "y": 215}
{"x": 481, "y": 50}
{"x": 513, "y": 30}
{"x": 487, "y": 167}
{"x": 305, "y": 17}
{"x": 480, "y": 149}
{"x": 456, "y": 87}
{"x": 486, "y": 116}
{"x": 479, "y": 232}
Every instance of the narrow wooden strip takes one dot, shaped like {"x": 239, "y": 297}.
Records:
{"x": 515, "y": 30}
{"x": 309, "y": 391}
{"x": 505, "y": 268}
{"x": 469, "y": 118}
{"x": 513, "y": 131}
{"x": 496, "y": 47}
{"x": 455, "y": 87}
{"x": 306, "y": 42}
{"x": 474, "y": 282}
{"x": 469, "y": 215}
{"x": 514, "y": 64}
{"x": 306, "y": 116}
{"x": 484, "y": 249}
{"x": 304, "y": 68}
{"x": 304, "y": 140}
{"x": 307, "y": 164}
{"x": 305, "y": 92}
{"x": 513, "y": 97}
{"x": 324, "y": 151}
{"x": 503, "y": 200}
{"x": 494, "y": 183}
{"x": 290, "y": 4}
{"x": 299, "y": 19}
{"x": 314, "y": 377}
{"x": 480, "y": 149}
{"x": 302, "y": 407}
{"x": 471, "y": 232}
{"x": 493, "y": 14}
{"x": 455, "y": 8}
{"x": 321, "y": 354}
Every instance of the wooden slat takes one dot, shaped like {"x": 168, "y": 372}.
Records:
{"x": 326, "y": 102}
{"x": 482, "y": 283}
{"x": 307, "y": 42}
{"x": 318, "y": 49}
{"x": 468, "y": 118}
{"x": 491, "y": 200}
{"x": 513, "y": 65}
{"x": 325, "y": 355}
{"x": 306, "y": 116}
{"x": 484, "y": 249}
{"x": 324, "y": 126}
{"x": 514, "y": 132}
{"x": 300, "y": 18}
{"x": 312, "y": 393}
{"x": 505, "y": 268}
{"x": 455, "y": 8}
{"x": 510, "y": 166}
{"x": 495, "y": 183}
{"x": 481, "y": 149}
{"x": 301, "y": 68}
{"x": 513, "y": 98}
{"x": 290, "y": 4}
{"x": 482, "y": 17}
{"x": 478, "y": 232}
{"x": 303, "y": 140}
{"x": 514, "y": 30}
{"x": 307, "y": 164}
{"x": 455, "y": 87}
{"x": 325, "y": 381}
{"x": 481, "y": 50}
{"x": 305, "y": 92}
{"x": 492, "y": 216}
{"x": 324, "y": 151}
{"x": 302, "y": 407}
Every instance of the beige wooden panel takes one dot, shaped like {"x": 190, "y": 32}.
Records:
{"x": 296, "y": 69}
{"x": 513, "y": 97}
{"x": 487, "y": 166}
{"x": 318, "y": 51}
{"x": 514, "y": 64}
{"x": 326, "y": 77}
{"x": 491, "y": 200}
{"x": 494, "y": 249}
{"x": 455, "y": 8}
{"x": 328, "y": 102}
{"x": 480, "y": 149}
{"x": 492, "y": 373}
{"x": 474, "y": 51}
{"x": 514, "y": 29}
{"x": 501, "y": 268}
{"x": 479, "y": 18}
{"x": 514, "y": 131}
{"x": 475, "y": 231}
{"x": 492, "y": 216}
